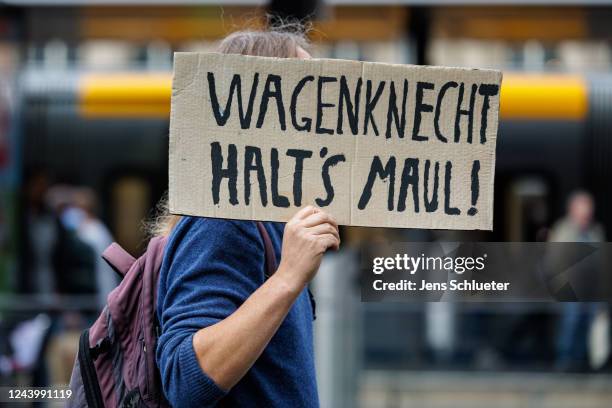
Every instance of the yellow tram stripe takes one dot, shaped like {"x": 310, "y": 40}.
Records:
{"x": 523, "y": 96}
{"x": 542, "y": 97}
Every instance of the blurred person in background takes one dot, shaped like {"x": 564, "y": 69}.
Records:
{"x": 57, "y": 259}
{"x": 577, "y": 226}
{"x": 38, "y": 236}
{"x": 94, "y": 233}
{"x": 74, "y": 259}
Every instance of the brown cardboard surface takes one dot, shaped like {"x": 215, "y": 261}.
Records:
{"x": 332, "y": 155}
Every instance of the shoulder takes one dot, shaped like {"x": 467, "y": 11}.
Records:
{"x": 221, "y": 229}
{"x": 223, "y": 253}
{"x": 208, "y": 233}
{"x": 95, "y": 231}
{"x": 560, "y": 231}
{"x": 206, "y": 243}
{"x": 198, "y": 239}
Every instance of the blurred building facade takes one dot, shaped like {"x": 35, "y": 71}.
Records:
{"x": 85, "y": 93}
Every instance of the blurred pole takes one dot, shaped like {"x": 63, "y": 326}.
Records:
{"x": 598, "y": 152}
{"x": 419, "y": 29}
{"x": 159, "y": 56}
{"x": 534, "y": 56}
{"x": 293, "y": 10}
{"x": 337, "y": 329}
{"x": 440, "y": 326}
{"x": 11, "y": 48}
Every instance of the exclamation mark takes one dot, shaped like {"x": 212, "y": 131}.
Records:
{"x": 475, "y": 187}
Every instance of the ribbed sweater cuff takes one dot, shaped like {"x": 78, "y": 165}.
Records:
{"x": 200, "y": 389}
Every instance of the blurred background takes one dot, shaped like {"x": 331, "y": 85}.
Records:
{"x": 84, "y": 106}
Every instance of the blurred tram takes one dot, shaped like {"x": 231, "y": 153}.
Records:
{"x": 108, "y": 128}
{"x": 553, "y": 138}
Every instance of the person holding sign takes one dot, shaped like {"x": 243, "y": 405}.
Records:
{"x": 375, "y": 144}
{"x": 230, "y": 335}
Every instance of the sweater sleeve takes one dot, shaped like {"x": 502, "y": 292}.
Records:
{"x": 211, "y": 266}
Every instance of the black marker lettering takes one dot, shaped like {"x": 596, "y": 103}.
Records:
{"x": 300, "y": 156}
{"x": 253, "y": 162}
{"x": 329, "y": 188}
{"x": 447, "y": 191}
{"x": 352, "y": 113}
{"x": 235, "y": 86}
{"x": 487, "y": 90}
{"x": 370, "y": 104}
{"x": 468, "y": 112}
{"x": 431, "y": 205}
{"x": 306, "y": 122}
{"x": 219, "y": 173}
{"x": 392, "y": 113}
{"x": 420, "y": 108}
{"x": 475, "y": 187}
{"x": 441, "y": 94}
{"x": 276, "y": 94}
{"x": 383, "y": 172}
{"x": 320, "y": 105}
{"x": 410, "y": 177}
{"x": 277, "y": 199}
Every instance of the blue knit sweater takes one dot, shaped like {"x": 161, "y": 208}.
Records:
{"x": 210, "y": 267}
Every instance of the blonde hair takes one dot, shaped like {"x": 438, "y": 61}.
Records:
{"x": 281, "y": 41}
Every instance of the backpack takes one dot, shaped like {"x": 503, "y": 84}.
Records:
{"x": 115, "y": 364}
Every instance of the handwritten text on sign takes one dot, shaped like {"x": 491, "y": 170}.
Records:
{"x": 374, "y": 144}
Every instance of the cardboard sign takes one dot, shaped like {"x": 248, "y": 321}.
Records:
{"x": 373, "y": 144}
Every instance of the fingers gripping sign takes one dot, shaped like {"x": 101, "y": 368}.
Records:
{"x": 308, "y": 235}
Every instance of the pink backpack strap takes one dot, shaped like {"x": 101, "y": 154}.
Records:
{"x": 270, "y": 257}
{"x": 118, "y": 258}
